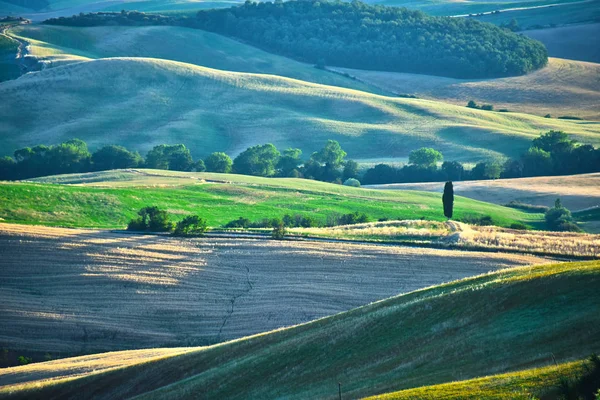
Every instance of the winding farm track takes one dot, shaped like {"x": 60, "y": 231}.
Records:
{"x": 73, "y": 291}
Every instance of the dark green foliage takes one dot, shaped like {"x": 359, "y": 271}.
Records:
{"x": 191, "y": 225}
{"x": 218, "y": 162}
{"x": 583, "y": 387}
{"x": 176, "y": 158}
{"x": 352, "y": 182}
{"x": 536, "y": 162}
{"x": 7, "y": 168}
{"x": 347, "y": 219}
{"x": 331, "y": 155}
{"x": 289, "y": 163}
{"x": 453, "y": 170}
{"x": 357, "y": 35}
{"x": 298, "y": 221}
{"x": 325, "y": 164}
{"x": 487, "y": 107}
{"x": 151, "y": 219}
{"x": 518, "y": 225}
{"x": 199, "y": 166}
{"x": 475, "y": 220}
{"x": 279, "y": 231}
{"x": 553, "y": 141}
{"x": 68, "y": 157}
{"x": 115, "y": 157}
{"x": 448, "y": 199}
{"x": 527, "y": 207}
{"x": 570, "y": 117}
{"x": 350, "y": 170}
{"x": 24, "y": 360}
{"x": 241, "y": 222}
{"x": 486, "y": 170}
{"x": 559, "y": 218}
{"x": 260, "y": 160}
{"x": 513, "y": 25}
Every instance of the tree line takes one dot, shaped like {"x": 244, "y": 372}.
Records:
{"x": 357, "y": 35}
{"x": 552, "y": 153}
{"x": 73, "y": 156}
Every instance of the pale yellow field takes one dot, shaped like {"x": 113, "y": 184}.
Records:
{"x": 576, "y": 192}
{"x": 564, "y": 87}
{"x": 80, "y": 291}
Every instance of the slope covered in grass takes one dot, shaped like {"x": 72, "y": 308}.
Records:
{"x": 187, "y": 45}
{"x": 113, "y": 204}
{"x": 564, "y": 87}
{"x": 500, "y": 322}
{"x": 572, "y": 41}
{"x": 521, "y": 385}
{"x": 140, "y": 103}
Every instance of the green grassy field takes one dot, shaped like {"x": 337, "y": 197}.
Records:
{"x": 501, "y": 322}
{"x": 187, "y": 45}
{"x": 102, "y": 203}
{"x": 145, "y": 102}
{"x": 521, "y": 385}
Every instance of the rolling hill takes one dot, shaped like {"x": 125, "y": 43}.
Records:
{"x": 140, "y": 103}
{"x": 495, "y": 323}
{"x": 577, "y": 192}
{"x": 571, "y": 41}
{"x": 111, "y": 199}
{"x": 52, "y": 44}
{"x": 562, "y": 88}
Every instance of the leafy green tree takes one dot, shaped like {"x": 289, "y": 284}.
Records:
{"x": 218, "y": 162}
{"x": 453, "y": 170}
{"x": 448, "y": 199}
{"x": 380, "y": 174}
{"x": 425, "y": 157}
{"x": 536, "y": 162}
{"x": 258, "y": 160}
{"x": 553, "y": 141}
{"x": 279, "y": 230}
{"x": 115, "y": 157}
{"x": 68, "y": 157}
{"x": 199, "y": 166}
{"x": 559, "y": 218}
{"x": 350, "y": 170}
{"x": 289, "y": 163}
{"x": 331, "y": 155}
{"x": 151, "y": 219}
{"x": 487, "y": 170}
{"x": 191, "y": 225}
{"x": 170, "y": 157}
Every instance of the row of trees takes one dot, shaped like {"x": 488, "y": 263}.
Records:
{"x": 553, "y": 153}
{"x": 357, "y": 35}
{"x": 73, "y": 156}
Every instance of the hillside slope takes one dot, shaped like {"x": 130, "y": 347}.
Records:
{"x": 564, "y": 87}
{"x": 571, "y": 41}
{"x": 51, "y": 44}
{"x": 577, "y": 192}
{"x": 110, "y": 199}
{"x": 494, "y": 323}
{"x": 142, "y": 291}
{"x": 140, "y": 103}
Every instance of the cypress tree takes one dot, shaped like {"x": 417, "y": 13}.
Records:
{"x": 448, "y": 199}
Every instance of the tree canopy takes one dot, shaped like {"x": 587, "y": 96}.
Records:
{"x": 260, "y": 160}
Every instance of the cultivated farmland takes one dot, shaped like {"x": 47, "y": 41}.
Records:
{"x": 82, "y": 291}
{"x": 490, "y": 324}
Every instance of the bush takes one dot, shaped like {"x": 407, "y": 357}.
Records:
{"x": 519, "y": 226}
{"x": 241, "y": 222}
{"x": 527, "y": 207}
{"x": 559, "y": 218}
{"x": 191, "y": 226}
{"x": 352, "y": 182}
{"x": 347, "y": 219}
{"x": 298, "y": 221}
{"x": 24, "y": 360}
{"x": 484, "y": 220}
{"x": 151, "y": 219}
{"x": 278, "y": 231}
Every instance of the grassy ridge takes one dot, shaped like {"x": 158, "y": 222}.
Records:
{"x": 114, "y": 203}
{"x": 495, "y": 323}
{"x": 191, "y": 46}
{"x": 521, "y": 385}
{"x": 147, "y": 102}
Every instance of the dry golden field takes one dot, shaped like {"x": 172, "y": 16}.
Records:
{"x": 68, "y": 291}
{"x": 577, "y": 192}
{"x": 564, "y": 87}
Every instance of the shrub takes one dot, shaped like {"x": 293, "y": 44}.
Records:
{"x": 527, "y": 207}
{"x": 298, "y": 221}
{"x": 191, "y": 226}
{"x": 347, "y": 219}
{"x": 241, "y": 222}
{"x": 519, "y": 226}
{"x": 24, "y": 360}
{"x": 352, "y": 182}
{"x": 487, "y": 107}
{"x": 559, "y": 218}
{"x": 477, "y": 220}
{"x": 151, "y": 219}
{"x": 278, "y": 231}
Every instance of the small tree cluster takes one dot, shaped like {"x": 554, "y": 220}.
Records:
{"x": 559, "y": 218}
{"x": 191, "y": 225}
{"x": 151, "y": 219}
